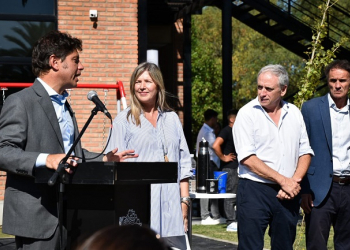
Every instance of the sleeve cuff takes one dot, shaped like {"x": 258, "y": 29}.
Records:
{"x": 41, "y": 160}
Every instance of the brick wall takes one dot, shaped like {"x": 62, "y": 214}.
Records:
{"x": 178, "y": 46}
{"x": 109, "y": 54}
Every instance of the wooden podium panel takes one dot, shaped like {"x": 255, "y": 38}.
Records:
{"x": 101, "y": 194}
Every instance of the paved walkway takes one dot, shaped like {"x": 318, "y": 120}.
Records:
{"x": 198, "y": 243}
{"x": 202, "y": 242}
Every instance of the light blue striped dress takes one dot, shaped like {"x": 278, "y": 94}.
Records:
{"x": 147, "y": 141}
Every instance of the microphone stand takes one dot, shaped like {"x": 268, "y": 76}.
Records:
{"x": 60, "y": 172}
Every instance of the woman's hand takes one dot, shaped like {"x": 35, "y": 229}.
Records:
{"x": 118, "y": 157}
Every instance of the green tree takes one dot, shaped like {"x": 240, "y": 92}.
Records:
{"x": 251, "y": 51}
{"x": 319, "y": 58}
{"x": 206, "y": 66}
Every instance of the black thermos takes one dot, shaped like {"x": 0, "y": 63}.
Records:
{"x": 202, "y": 166}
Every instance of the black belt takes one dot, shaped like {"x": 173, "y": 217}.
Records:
{"x": 341, "y": 180}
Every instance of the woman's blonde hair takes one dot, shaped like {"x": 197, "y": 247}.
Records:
{"x": 156, "y": 75}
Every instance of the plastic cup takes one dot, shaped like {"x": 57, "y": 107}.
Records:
{"x": 222, "y": 179}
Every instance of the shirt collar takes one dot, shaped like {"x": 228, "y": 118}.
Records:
{"x": 60, "y": 99}
{"x": 333, "y": 106}
{"x": 208, "y": 127}
{"x": 285, "y": 105}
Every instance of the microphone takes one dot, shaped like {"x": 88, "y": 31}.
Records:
{"x": 92, "y": 96}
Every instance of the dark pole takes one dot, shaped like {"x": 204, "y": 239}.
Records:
{"x": 226, "y": 58}
{"x": 142, "y": 30}
{"x": 187, "y": 79}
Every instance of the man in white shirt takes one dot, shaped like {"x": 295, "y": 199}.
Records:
{"x": 325, "y": 188}
{"x": 207, "y": 132}
{"x": 274, "y": 154}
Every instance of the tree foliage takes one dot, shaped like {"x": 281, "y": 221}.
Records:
{"x": 251, "y": 51}
{"x": 318, "y": 58}
{"x": 206, "y": 65}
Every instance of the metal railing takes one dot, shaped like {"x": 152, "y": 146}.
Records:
{"x": 119, "y": 87}
{"x": 307, "y": 12}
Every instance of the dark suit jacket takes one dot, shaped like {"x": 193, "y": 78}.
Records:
{"x": 28, "y": 127}
{"x": 319, "y": 176}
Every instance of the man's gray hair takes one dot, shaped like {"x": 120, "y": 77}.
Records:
{"x": 277, "y": 70}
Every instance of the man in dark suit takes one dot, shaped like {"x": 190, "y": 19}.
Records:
{"x": 325, "y": 188}
{"x": 37, "y": 128}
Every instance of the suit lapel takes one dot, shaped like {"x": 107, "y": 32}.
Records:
{"x": 326, "y": 120}
{"x": 47, "y": 106}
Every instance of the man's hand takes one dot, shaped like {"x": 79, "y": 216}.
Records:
{"x": 118, "y": 157}
{"x": 283, "y": 195}
{"x": 306, "y": 203}
{"x": 291, "y": 186}
{"x": 53, "y": 160}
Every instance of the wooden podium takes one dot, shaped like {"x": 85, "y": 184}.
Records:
{"x": 100, "y": 194}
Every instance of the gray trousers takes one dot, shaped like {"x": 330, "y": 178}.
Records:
{"x": 214, "y": 203}
{"x": 231, "y": 187}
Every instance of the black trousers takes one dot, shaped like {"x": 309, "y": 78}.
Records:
{"x": 334, "y": 210}
{"x": 257, "y": 208}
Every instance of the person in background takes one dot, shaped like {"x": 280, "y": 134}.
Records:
{"x": 38, "y": 128}
{"x": 207, "y": 132}
{"x": 225, "y": 149}
{"x": 274, "y": 154}
{"x": 128, "y": 237}
{"x": 150, "y": 127}
{"x": 326, "y": 187}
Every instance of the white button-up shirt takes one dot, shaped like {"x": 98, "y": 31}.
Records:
{"x": 340, "y": 122}
{"x": 278, "y": 146}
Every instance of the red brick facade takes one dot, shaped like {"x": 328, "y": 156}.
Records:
{"x": 109, "y": 54}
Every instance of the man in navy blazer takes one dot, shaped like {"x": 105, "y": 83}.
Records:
{"x": 326, "y": 187}
{"x": 37, "y": 128}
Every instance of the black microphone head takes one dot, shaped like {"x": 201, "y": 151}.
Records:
{"x": 91, "y": 94}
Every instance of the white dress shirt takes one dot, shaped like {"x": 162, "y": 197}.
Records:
{"x": 340, "y": 122}
{"x": 278, "y": 146}
{"x": 64, "y": 120}
{"x": 207, "y": 133}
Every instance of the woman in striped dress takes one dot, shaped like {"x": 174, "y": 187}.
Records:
{"x": 154, "y": 131}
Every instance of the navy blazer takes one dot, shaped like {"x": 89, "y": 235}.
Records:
{"x": 318, "y": 179}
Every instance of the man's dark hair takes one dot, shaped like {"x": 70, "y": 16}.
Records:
{"x": 231, "y": 112}
{"x": 209, "y": 113}
{"x": 337, "y": 64}
{"x": 54, "y": 43}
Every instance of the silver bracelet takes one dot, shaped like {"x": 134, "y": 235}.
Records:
{"x": 187, "y": 198}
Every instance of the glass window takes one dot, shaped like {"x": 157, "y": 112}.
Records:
{"x": 18, "y": 37}
{"x": 22, "y": 23}
{"x": 27, "y": 7}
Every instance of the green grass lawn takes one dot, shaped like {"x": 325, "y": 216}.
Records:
{"x": 4, "y": 235}
{"x": 219, "y": 232}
